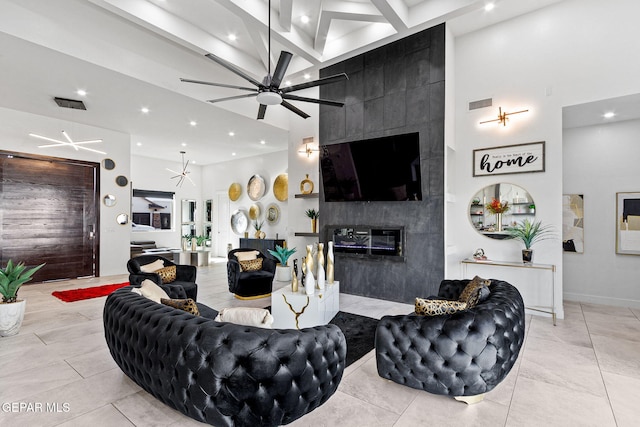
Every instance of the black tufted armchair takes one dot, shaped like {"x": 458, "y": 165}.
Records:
{"x": 185, "y": 274}
{"x": 463, "y": 354}
{"x": 250, "y": 284}
{"x": 221, "y": 373}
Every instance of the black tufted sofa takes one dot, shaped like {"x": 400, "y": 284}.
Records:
{"x": 463, "y": 354}
{"x": 221, "y": 373}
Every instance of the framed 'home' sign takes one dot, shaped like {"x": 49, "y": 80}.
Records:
{"x": 520, "y": 158}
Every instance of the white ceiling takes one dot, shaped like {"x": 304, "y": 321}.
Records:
{"x": 131, "y": 53}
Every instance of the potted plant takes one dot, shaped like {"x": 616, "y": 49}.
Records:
{"x": 529, "y": 233}
{"x": 313, "y": 214}
{"x": 283, "y": 271}
{"x": 186, "y": 241}
{"x": 259, "y": 233}
{"x": 11, "y": 308}
{"x": 201, "y": 240}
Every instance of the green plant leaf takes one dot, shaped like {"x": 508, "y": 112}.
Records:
{"x": 282, "y": 254}
{"x": 12, "y": 277}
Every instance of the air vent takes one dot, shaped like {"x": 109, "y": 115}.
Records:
{"x": 70, "y": 103}
{"x": 474, "y": 105}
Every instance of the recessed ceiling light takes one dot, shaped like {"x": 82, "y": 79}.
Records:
{"x": 184, "y": 144}
{"x": 304, "y": 19}
{"x": 139, "y": 144}
{"x": 489, "y": 7}
{"x": 231, "y": 133}
{"x": 262, "y": 141}
{"x": 193, "y": 123}
{"x": 233, "y": 154}
{"x": 307, "y": 76}
{"x": 609, "y": 115}
{"x": 232, "y": 37}
{"x": 144, "y": 110}
{"x": 81, "y": 92}
{"x": 287, "y": 83}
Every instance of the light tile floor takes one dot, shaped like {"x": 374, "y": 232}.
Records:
{"x": 583, "y": 372}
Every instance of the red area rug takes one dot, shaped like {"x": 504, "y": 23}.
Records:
{"x": 87, "y": 293}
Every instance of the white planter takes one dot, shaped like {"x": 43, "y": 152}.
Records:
{"x": 11, "y": 315}
{"x": 283, "y": 273}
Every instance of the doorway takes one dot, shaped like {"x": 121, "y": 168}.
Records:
{"x": 223, "y": 227}
{"x": 49, "y": 209}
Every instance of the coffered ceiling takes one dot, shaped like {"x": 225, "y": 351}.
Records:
{"x": 129, "y": 54}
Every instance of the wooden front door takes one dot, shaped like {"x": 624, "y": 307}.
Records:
{"x": 49, "y": 213}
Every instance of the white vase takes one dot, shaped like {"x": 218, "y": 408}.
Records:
{"x": 321, "y": 272}
{"x": 330, "y": 264}
{"x": 11, "y": 315}
{"x": 309, "y": 280}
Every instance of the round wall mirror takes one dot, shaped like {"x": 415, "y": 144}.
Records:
{"x": 109, "y": 200}
{"x": 108, "y": 164}
{"x": 122, "y": 180}
{"x": 497, "y": 207}
{"x": 122, "y": 219}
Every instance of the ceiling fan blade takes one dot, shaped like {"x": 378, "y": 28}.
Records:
{"x": 261, "y": 111}
{"x": 233, "y": 69}
{"x": 229, "y": 98}
{"x": 315, "y": 101}
{"x": 295, "y": 109}
{"x": 319, "y": 82}
{"x": 200, "y": 82}
{"x": 281, "y": 68}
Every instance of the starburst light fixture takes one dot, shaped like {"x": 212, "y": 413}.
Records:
{"x": 77, "y": 145}
{"x": 184, "y": 174}
{"x": 502, "y": 117}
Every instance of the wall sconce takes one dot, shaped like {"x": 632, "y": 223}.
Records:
{"x": 502, "y": 117}
{"x": 308, "y": 148}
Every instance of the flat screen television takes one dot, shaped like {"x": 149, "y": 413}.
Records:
{"x": 379, "y": 169}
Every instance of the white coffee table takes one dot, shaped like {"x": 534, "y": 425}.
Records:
{"x": 298, "y": 310}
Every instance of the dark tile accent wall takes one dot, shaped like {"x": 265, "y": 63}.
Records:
{"x": 395, "y": 89}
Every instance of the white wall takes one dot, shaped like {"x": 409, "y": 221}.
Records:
{"x": 565, "y": 54}
{"x": 114, "y": 238}
{"x": 218, "y": 177}
{"x": 152, "y": 174}
{"x": 598, "y": 162}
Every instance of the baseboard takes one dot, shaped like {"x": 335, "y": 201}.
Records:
{"x": 596, "y": 299}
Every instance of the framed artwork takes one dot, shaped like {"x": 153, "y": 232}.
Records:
{"x": 628, "y": 223}
{"x": 573, "y": 223}
{"x": 519, "y": 158}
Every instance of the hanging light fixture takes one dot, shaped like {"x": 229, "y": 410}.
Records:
{"x": 184, "y": 174}
{"x": 77, "y": 145}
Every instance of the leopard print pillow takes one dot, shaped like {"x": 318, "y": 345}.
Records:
{"x": 437, "y": 307}
{"x": 476, "y": 290}
{"x": 167, "y": 274}
{"x": 187, "y": 305}
{"x": 251, "y": 265}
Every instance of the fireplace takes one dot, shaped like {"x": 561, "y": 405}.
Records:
{"x": 363, "y": 241}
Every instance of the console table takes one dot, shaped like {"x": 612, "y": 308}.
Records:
{"x": 262, "y": 245}
{"x": 197, "y": 258}
{"x": 520, "y": 275}
{"x": 297, "y": 310}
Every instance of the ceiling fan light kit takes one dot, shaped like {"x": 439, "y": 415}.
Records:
{"x": 269, "y": 92}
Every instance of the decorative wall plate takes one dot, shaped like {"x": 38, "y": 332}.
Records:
{"x": 254, "y": 211}
{"x": 281, "y": 187}
{"x": 108, "y": 164}
{"x": 235, "y": 190}
{"x": 109, "y": 200}
{"x": 122, "y": 180}
{"x": 273, "y": 213}
{"x": 256, "y": 187}
{"x": 239, "y": 221}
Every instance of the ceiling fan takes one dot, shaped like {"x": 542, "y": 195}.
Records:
{"x": 182, "y": 175}
{"x": 268, "y": 92}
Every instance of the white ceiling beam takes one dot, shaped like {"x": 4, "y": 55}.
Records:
{"x": 159, "y": 21}
{"x": 254, "y": 13}
{"x": 324, "y": 22}
{"x": 286, "y": 11}
{"x": 438, "y": 11}
{"x": 396, "y": 12}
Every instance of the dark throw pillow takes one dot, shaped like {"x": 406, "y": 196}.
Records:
{"x": 167, "y": 274}
{"x": 437, "y": 307}
{"x": 187, "y": 305}
{"x": 477, "y": 290}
